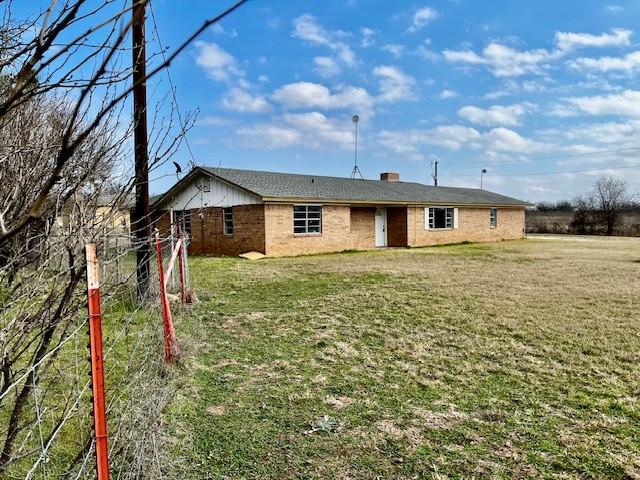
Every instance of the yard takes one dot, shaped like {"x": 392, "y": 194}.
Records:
{"x": 510, "y": 360}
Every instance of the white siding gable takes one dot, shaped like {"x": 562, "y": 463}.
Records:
{"x": 219, "y": 194}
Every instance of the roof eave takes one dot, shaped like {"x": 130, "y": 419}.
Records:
{"x": 386, "y": 202}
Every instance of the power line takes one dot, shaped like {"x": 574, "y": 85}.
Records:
{"x": 553, "y": 157}
{"x": 560, "y": 172}
{"x": 171, "y": 85}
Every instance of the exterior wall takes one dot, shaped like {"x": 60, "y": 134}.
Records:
{"x": 473, "y": 226}
{"x": 342, "y": 228}
{"x": 208, "y": 238}
{"x": 220, "y": 194}
{"x": 397, "y": 226}
{"x": 268, "y": 229}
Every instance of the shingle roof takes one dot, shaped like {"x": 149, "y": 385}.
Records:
{"x": 272, "y": 185}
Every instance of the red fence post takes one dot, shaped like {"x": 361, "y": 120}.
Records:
{"x": 97, "y": 362}
{"x": 171, "y": 348}
{"x": 181, "y": 254}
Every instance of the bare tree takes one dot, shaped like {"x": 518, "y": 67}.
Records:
{"x": 611, "y": 196}
{"x": 65, "y": 80}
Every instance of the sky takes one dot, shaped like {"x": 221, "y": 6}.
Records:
{"x": 544, "y": 95}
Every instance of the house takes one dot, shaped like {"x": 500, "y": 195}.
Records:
{"x": 228, "y": 211}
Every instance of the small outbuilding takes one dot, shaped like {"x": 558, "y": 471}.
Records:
{"x": 230, "y": 211}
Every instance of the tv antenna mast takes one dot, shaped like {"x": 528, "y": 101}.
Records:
{"x": 434, "y": 174}
{"x": 356, "y": 171}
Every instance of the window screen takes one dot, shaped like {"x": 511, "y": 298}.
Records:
{"x": 440, "y": 218}
{"x": 307, "y": 219}
{"x": 493, "y": 218}
{"x": 227, "y": 218}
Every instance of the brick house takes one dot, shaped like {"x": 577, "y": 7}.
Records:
{"x": 229, "y": 211}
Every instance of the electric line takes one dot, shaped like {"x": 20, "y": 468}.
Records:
{"x": 171, "y": 85}
{"x": 590, "y": 170}
{"x": 551, "y": 157}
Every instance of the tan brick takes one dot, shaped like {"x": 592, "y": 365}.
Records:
{"x": 342, "y": 229}
{"x": 268, "y": 229}
{"x": 473, "y": 226}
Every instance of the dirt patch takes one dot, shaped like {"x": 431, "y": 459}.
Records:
{"x": 339, "y": 402}
{"x": 216, "y": 410}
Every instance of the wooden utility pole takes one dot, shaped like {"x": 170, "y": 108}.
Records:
{"x": 141, "y": 220}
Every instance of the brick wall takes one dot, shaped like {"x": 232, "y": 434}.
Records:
{"x": 269, "y": 229}
{"x": 342, "y": 229}
{"x": 473, "y": 226}
{"x": 207, "y": 237}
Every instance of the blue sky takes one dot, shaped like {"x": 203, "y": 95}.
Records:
{"x": 531, "y": 91}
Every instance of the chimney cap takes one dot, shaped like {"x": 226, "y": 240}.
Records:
{"x": 390, "y": 176}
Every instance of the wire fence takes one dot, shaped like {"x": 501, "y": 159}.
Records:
{"x": 46, "y": 426}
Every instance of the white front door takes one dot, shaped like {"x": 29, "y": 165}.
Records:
{"x": 381, "y": 227}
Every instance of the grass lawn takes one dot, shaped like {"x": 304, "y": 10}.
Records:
{"x": 509, "y": 360}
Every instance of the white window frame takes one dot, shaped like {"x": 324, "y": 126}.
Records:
{"x": 493, "y": 218}
{"x": 305, "y": 220}
{"x": 227, "y": 220}
{"x": 451, "y": 218}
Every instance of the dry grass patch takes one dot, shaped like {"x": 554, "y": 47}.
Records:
{"x": 508, "y": 360}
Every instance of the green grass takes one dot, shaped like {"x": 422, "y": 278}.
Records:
{"x": 508, "y": 360}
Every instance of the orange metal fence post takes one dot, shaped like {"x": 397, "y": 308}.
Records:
{"x": 171, "y": 348}
{"x": 97, "y": 363}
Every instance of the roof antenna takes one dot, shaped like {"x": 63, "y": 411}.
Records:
{"x": 434, "y": 174}
{"x": 356, "y": 171}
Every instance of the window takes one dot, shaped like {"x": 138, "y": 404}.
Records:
{"x": 183, "y": 218}
{"x": 307, "y": 219}
{"x": 493, "y": 218}
{"x": 440, "y": 218}
{"x": 227, "y": 220}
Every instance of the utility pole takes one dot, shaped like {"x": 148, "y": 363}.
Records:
{"x": 141, "y": 220}
{"x": 434, "y": 175}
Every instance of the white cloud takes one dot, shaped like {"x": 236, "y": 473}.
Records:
{"x": 263, "y": 79}
{"x": 613, "y": 9}
{"x": 219, "y": 64}
{"x": 495, "y": 142}
{"x": 239, "y": 100}
{"x": 313, "y": 95}
{"x": 394, "y": 49}
{"x": 368, "y": 37}
{"x": 305, "y": 27}
{"x": 428, "y": 54}
{"x": 626, "y": 104}
{"x": 394, "y": 84}
{"x": 627, "y": 63}
{"x": 571, "y": 40}
{"x": 503, "y": 61}
{"x": 496, "y": 115}
{"x": 311, "y": 130}
{"x": 445, "y": 94}
{"x": 265, "y": 135}
{"x": 506, "y": 61}
{"x": 620, "y": 134}
{"x": 326, "y": 66}
{"x": 218, "y": 29}
{"x": 421, "y": 17}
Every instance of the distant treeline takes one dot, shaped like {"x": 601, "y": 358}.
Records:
{"x": 608, "y": 209}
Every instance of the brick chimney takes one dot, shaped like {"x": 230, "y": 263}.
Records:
{"x": 390, "y": 176}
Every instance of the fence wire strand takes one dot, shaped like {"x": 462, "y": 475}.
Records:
{"x": 51, "y": 431}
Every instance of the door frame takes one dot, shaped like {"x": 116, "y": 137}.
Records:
{"x": 384, "y": 227}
